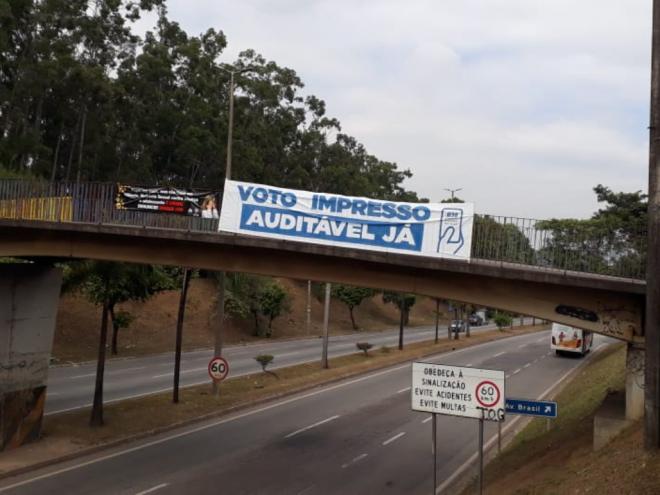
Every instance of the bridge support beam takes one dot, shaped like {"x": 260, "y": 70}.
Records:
{"x": 634, "y": 381}
{"x": 29, "y": 296}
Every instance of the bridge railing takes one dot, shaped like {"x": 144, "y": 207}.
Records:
{"x": 89, "y": 202}
{"x": 591, "y": 247}
{"x": 570, "y": 246}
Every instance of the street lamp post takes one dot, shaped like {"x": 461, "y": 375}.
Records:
{"x": 452, "y": 191}
{"x": 217, "y": 348}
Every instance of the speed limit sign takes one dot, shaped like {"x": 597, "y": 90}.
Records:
{"x": 218, "y": 368}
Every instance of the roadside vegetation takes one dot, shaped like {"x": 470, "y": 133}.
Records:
{"x": 562, "y": 460}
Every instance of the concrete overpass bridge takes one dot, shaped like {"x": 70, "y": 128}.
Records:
{"x": 516, "y": 265}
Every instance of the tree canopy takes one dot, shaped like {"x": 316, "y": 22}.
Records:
{"x": 83, "y": 97}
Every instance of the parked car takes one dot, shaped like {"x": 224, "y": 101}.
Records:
{"x": 475, "y": 320}
{"x": 457, "y": 326}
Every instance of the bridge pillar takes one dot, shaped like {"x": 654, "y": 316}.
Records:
{"x": 634, "y": 381}
{"x": 29, "y": 296}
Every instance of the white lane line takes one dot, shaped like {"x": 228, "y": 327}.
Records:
{"x": 126, "y": 369}
{"x": 81, "y": 376}
{"x": 395, "y": 437}
{"x": 319, "y": 423}
{"x": 220, "y": 422}
{"x": 542, "y": 339}
{"x": 192, "y": 370}
{"x": 499, "y": 353}
{"x": 153, "y": 489}
{"x": 527, "y": 365}
{"x": 468, "y": 365}
{"x": 516, "y": 372}
{"x": 427, "y": 419}
{"x": 354, "y": 460}
{"x": 403, "y": 390}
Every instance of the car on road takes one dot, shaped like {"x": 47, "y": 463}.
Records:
{"x": 457, "y": 326}
{"x": 475, "y": 320}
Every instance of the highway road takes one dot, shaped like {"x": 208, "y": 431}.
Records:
{"x": 72, "y": 387}
{"x": 358, "y": 436}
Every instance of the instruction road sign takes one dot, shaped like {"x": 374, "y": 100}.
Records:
{"x": 527, "y": 407}
{"x": 458, "y": 391}
{"x": 218, "y": 368}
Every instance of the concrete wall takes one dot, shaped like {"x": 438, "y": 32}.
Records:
{"x": 29, "y": 296}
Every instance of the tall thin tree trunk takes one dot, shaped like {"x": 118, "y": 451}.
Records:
{"x": 115, "y": 330}
{"x": 96, "y": 418}
{"x": 350, "y": 312}
{"x": 81, "y": 144}
{"x": 72, "y": 149}
{"x": 53, "y": 172}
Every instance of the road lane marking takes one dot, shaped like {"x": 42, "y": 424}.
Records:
{"x": 403, "y": 390}
{"x": 527, "y": 365}
{"x": 153, "y": 489}
{"x": 319, "y": 423}
{"x": 81, "y": 376}
{"x": 508, "y": 426}
{"x": 395, "y": 437}
{"x": 354, "y": 460}
{"x": 214, "y": 424}
{"x": 499, "y": 353}
{"x": 516, "y": 372}
{"x": 468, "y": 365}
{"x": 427, "y": 419}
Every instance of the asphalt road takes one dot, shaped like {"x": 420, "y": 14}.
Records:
{"x": 72, "y": 387}
{"x": 358, "y": 436}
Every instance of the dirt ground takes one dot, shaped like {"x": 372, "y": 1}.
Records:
{"x": 562, "y": 461}
{"x": 153, "y": 329}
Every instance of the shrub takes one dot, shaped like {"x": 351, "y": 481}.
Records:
{"x": 364, "y": 347}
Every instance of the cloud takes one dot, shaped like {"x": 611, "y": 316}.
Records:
{"x": 526, "y": 104}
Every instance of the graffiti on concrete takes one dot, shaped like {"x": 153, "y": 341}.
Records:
{"x": 619, "y": 320}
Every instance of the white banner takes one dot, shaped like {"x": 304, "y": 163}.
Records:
{"x": 458, "y": 391}
{"x": 442, "y": 230}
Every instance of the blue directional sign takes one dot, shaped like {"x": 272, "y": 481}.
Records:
{"x": 541, "y": 408}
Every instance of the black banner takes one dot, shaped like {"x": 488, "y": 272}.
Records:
{"x": 167, "y": 200}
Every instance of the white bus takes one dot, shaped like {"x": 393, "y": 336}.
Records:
{"x": 567, "y": 339}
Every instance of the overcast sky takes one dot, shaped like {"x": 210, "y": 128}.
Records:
{"x": 525, "y": 104}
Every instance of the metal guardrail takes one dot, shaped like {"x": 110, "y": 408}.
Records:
{"x": 603, "y": 250}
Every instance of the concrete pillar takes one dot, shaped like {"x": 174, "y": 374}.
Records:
{"x": 29, "y": 296}
{"x": 634, "y": 381}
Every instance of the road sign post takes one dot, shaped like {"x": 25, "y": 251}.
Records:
{"x": 481, "y": 454}
{"x": 435, "y": 452}
{"x": 218, "y": 369}
{"x": 458, "y": 391}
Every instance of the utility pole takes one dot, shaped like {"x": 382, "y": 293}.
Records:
{"x": 309, "y": 307}
{"x": 326, "y": 320}
{"x": 402, "y": 303}
{"x": 230, "y": 129}
{"x": 652, "y": 317}
{"x": 437, "y": 318}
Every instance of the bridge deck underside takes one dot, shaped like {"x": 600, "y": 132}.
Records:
{"x": 608, "y": 305}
